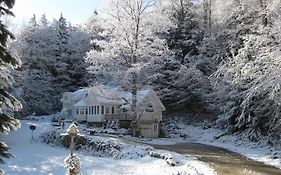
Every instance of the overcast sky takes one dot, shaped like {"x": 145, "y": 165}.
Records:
{"x": 75, "y": 11}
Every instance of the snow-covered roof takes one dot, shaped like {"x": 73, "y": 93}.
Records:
{"x": 109, "y": 95}
{"x": 81, "y": 103}
{"x": 140, "y": 95}
{"x": 108, "y": 100}
{"x": 78, "y": 94}
{"x": 107, "y": 92}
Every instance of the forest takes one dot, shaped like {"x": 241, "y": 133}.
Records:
{"x": 211, "y": 61}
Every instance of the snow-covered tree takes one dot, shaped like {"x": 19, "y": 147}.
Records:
{"x": 249, "y": 76}
{"x": 8, "y": 104}
{"x": 181, "y": 79}
{"x": 130, "y": 41}
{"x": 186, "y": 34}
{"x": 207, "y": 11}
{"x": 52, "y": 55}
{"x": 43, "y": 21}
{"x": 33, "y": 22}
{"x": 93, "y": 25}
{"x": 34, "y": 48}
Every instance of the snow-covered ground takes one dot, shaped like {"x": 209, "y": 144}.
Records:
{"x": 36, "y": 158}
{"x": 259, "y": 151}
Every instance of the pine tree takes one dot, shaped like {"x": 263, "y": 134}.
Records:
{"x": 182, "y": 80}
{"x": 43, "y": 21}
{"x": 249, "y": 76}
{"x": 61, "y": 77}
{"x": 52, "y": 56}
{"x": 33, "y": 22}
{"x": 70, "y": 68}
{"x": 8, "y": 103}
{"x": 184, "y": 38}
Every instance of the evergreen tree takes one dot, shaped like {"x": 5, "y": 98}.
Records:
{"x": 249, "y": 74}
{"x": 186, "y": 35}
{"x": 52, "y": 56}
{"x": 8, "y": 103}
{"x": 34, "y": 46}
{"x": 43, "y": 21}
{"x": 79, "y": 43}
{"x": 33, "y": 22}
{"x": 182, "y": 79}
{"x": 60, "y": 72}
{"x": 70, "y": 68}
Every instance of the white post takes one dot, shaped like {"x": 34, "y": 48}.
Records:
{"x": 72, "y": 162}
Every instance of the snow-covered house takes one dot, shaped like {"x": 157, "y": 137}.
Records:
{"x": 100, "y": 104}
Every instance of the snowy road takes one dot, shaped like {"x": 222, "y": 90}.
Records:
{"x": 222, "y": 160}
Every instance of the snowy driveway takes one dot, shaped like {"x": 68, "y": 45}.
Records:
{"x": 223, "y": 161}
{"x": 41, "y": 159}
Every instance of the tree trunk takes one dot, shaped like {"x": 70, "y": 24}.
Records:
{"x": 207, "y": 7}
{"x": 134, "y": 94}
{"x": 264, "y": 16}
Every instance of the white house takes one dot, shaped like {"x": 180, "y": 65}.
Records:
{"x": 99, "y": 104}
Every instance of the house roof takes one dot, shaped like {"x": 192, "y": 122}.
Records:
{"x": 76, "y": 95}
{"x": 140, "y": 95}
{"x": 105, "y": 91}
{"x": 81, "y": 103}
{"x": 110, "y": 95}
{"x": 102, "y": 99}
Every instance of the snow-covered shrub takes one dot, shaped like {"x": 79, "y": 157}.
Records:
{"x": 97, "y": 146}
{"x": 103, "y": 148}
{"x": 72, "y": 164}
{"x": 167, "y": 157}
{"x": 52, "y": 137}
{"x": 112, "y": 124}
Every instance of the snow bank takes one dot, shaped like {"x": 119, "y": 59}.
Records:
{"x": 259, "y": 151}
{"x": 33, "y": 158}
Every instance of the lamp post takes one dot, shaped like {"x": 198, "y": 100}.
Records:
{"x": 32, "y": 128}
{"x": 72, "y": 162}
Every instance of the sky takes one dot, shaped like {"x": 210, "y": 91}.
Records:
{"x": 75, "y": 11}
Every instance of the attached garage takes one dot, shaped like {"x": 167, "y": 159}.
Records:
{"x": 148, "y": 128}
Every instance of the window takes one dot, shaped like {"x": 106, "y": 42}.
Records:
{"x": 77, "y": 111}
{"x": 155, "y": 127}
{"x": 102, "y": 109}
{"x": 95, "y": 109}
{"x": 86, "y": 110}
{"x": 82, "y": 111}
{"x": 107, "y": 110}
{"x": 149, "y": 108}
{"x": 112, "y": 110}
{"x": 98, "y": 109}
{"x": 92, "y": 112}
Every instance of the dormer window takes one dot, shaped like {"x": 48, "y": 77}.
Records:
{"x": 149, "y": 108}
